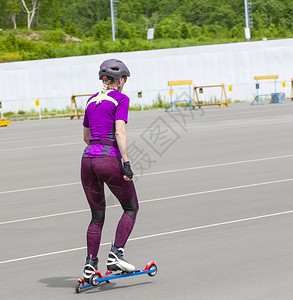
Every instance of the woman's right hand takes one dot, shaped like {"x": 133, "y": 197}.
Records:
{"x": 128, "y": 174}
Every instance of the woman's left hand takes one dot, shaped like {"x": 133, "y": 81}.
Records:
{"x": 128, "y": 174}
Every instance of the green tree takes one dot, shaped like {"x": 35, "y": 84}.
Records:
{"x": 30, "y": 11}
{"x": 129, "y": 11}
{"x": 168, "y": 28}
{"x": 13, "y": 8}
{"x": 184, "y": 31}
{"x": 124, "y": 31}
{"x": 87, "y": 13}
{"x": 50, "y": 14}
{"x": 166, "y": 8}
{"x": 72, "y": 30}
{"x": 102, "y": 30}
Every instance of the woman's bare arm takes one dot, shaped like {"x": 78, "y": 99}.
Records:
{"x": 121, "y": 139}
{"x": 86, "y": 135}
{"x": 122, "y": 144}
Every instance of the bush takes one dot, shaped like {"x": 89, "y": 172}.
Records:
{"x": 54, "y": 36}
{"x": 169, "y": 32}
{"x": 184, "y": 31}
{"x": 102, "y": 30}
{"x": 236, "y": 32}
{"x": 195, "y": 31}
{"x": 159, "y": 103}
{"x": 25, "y": 45}
{"x": 11, "y": 42}
{"x": 168, "y": 28}
{"x": 72, "y": 30}
{"x": 8, "y": 114}
{"x": 10, "y": 57}
{"x": 124, "y": 31}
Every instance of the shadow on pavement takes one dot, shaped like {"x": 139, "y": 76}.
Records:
{"x": 113, "y": 286}
{"x": 57, "y": 282}
{"x": 69, "y": 282}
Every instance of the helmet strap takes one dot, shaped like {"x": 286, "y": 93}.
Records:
{"x": 119, "y": 84}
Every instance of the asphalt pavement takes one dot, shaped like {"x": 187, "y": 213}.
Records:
{"x": 216, "y": 210}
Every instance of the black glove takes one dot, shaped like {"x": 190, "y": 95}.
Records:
{"x": 127, "y": 170}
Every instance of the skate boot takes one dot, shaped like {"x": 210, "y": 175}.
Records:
{"x": 116, "y": 261}
{"x": 91, "y": 265}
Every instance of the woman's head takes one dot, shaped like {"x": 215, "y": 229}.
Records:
{"x": 113, "y": 72}
{"x": 113, "y": 69}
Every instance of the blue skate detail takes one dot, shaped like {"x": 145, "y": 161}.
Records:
{"x": 134, "y": 273}
{"x": 97, "y": 278}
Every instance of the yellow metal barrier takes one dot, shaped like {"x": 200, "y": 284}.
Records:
{"x": 74, "y": 109}
{"x": 4, "y": 122}
{"x": 223, "y": 95}
{"x": 266, "y": 77}
{"x": 258, "y": 98}
{"x": 188, "y": 99}
{"x": 179, "y": 82}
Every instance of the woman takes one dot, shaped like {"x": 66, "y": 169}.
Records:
{"x": 104, "y": 132}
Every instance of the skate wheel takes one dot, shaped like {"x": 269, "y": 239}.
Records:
{"x": 77, "y": 287}
{"x": 154, "y": 269}
{"x": 94, "y": 280}
{"x": 108, "y": 281}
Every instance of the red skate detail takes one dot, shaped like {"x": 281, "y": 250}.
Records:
{"x": 149, "y": 265}
{"x": 99, "y": 273}
{"x": 81, "y": 280}
{"x": 108, "y": 273}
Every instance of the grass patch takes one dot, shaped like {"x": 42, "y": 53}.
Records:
{"x": 20, "y": 44}
{"x": 34, "y": 114}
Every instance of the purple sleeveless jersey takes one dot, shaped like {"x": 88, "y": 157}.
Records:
{"x": 100, "y": 119}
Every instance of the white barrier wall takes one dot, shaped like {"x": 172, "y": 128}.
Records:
{"x": 53, "y": 81}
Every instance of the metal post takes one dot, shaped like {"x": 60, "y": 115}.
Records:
{"x": 291, "y": 89}
{"x": 113, "y": 21}
{"x": 247, "y": 27}
{"x": 246, "y": 14}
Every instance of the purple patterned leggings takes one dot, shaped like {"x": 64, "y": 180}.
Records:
{"x": 95, "y": 171}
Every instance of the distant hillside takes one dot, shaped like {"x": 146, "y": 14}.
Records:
{"x": 82, "y": 27}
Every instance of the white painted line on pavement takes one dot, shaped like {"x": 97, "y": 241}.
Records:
{"x": 219, "y": 190}
{"x": 42, "y": 255}
{"x": 157, "y": 199}
{"x": 154, "y": 235}
{"x": 200, "y": 129}
{"x": 41, "y": 139}
{"x": 43, "y": 146}
{"x": 40, "y": 188}
{"x": 46, "y": 216}
{"x": 229, "y": 126}
{"x": 160, "y": 172}
{"x": 212, "y": 225}
{"x": 219, "y": 165}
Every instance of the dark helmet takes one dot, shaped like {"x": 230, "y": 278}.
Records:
{"x": 113, "y": 68}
